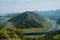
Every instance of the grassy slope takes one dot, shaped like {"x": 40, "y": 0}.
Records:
{"x": 1, "y": 22}
{"x": 46, "y": 24}
{"x": 10, "y": 25}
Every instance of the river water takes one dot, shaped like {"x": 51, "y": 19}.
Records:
{"x": 53, "y": 29}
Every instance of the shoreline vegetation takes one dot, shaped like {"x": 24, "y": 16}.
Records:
{"x": 30, "y": 30}
{"x": 15, "y": 34}
{"x": 17, "y": 27}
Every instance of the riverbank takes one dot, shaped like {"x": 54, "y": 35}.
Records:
{"x": 38, "y": 31}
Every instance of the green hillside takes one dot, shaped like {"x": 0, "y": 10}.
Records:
{"x": 27, "y": 20}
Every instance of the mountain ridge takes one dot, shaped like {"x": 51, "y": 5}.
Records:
{"x": 27, "y": 19}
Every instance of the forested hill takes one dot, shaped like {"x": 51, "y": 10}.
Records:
{"x": 27, "y": 19}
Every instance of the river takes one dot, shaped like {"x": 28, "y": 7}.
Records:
{"x": 53, "y": 29}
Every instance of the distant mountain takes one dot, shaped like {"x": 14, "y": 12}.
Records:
{"x": 10, "y": 15}
{"x": 55, "y": 14}
{"x": 27, "y": 19}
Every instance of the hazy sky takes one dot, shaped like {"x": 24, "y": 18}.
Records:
{"x": 8, "y": 6}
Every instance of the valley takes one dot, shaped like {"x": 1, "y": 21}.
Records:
{"x": 29, "y": 19}
{"x": 49, "y": 26}
{"x": 31, "y": 25}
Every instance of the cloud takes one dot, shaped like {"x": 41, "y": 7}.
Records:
{"x": 28, "y": 0}
{"x": 9, "y": 0}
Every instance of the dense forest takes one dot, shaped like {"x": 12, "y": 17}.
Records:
{"x": 15, "y": 34}
{"x": 27, "y": 19}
